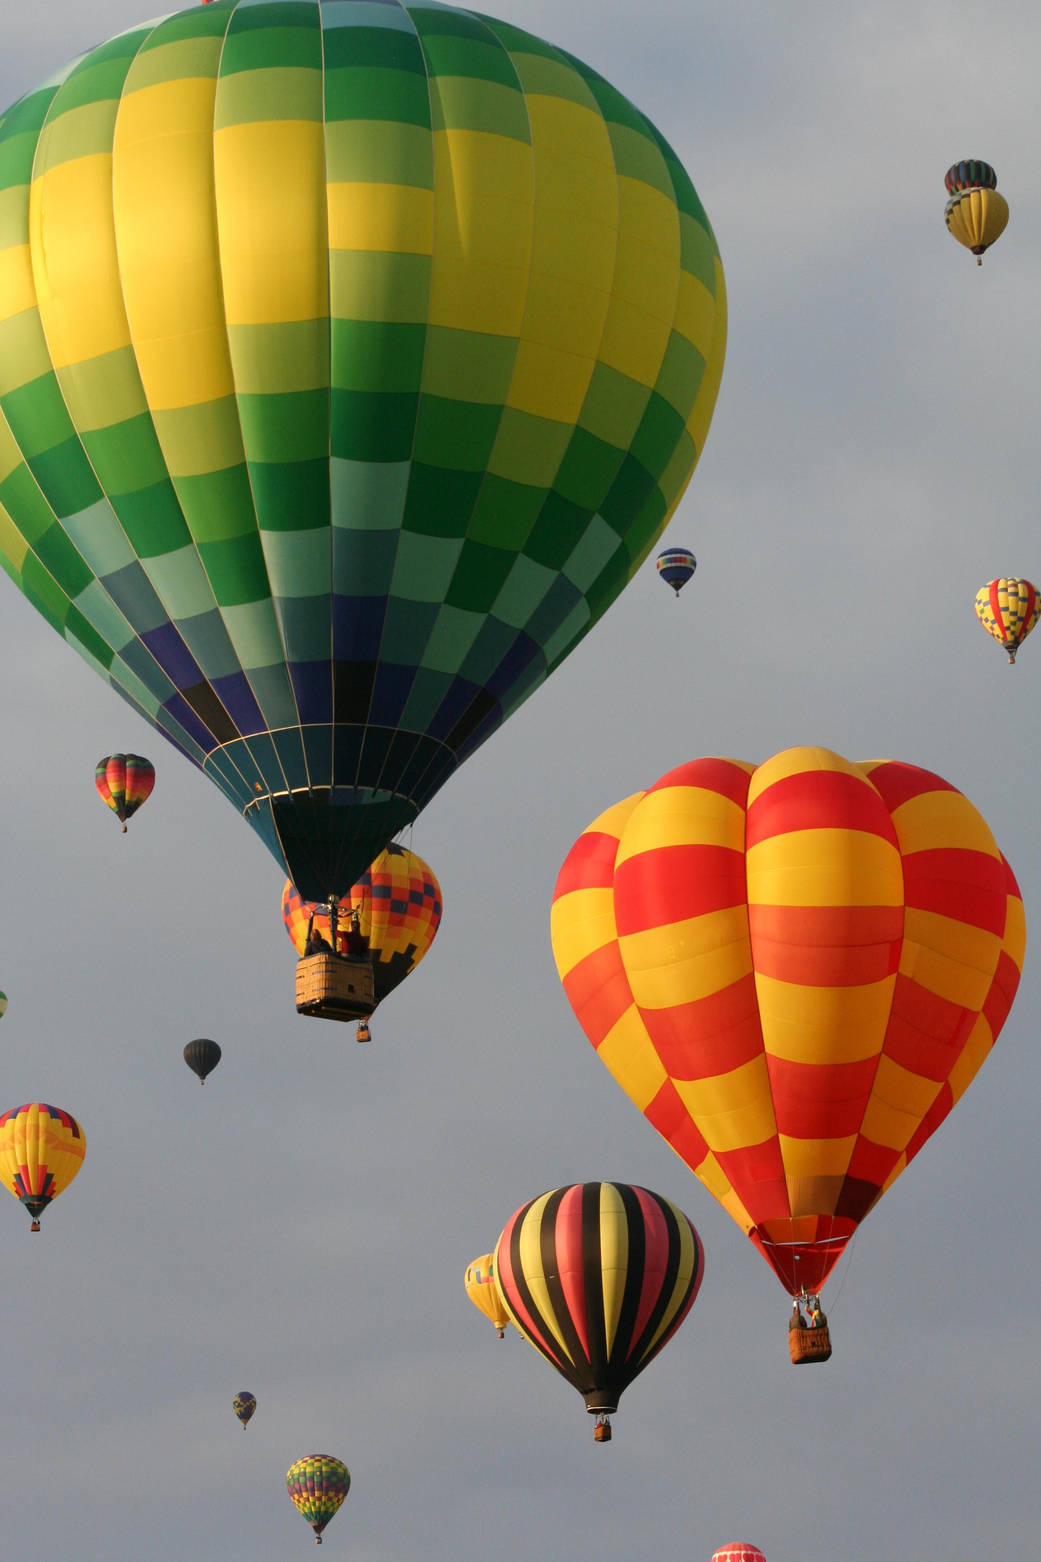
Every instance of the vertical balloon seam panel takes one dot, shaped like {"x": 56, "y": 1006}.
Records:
{"x": 319, "y": 203}
{"x": 164, "y": 26}
{"x": 168, "y": 31}
{"x": 420, "y": 35}
{"x": 222, "y": 76}
{"x": 171, "y": 727}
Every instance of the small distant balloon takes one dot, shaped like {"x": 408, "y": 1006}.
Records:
{"x": 676, "y": 566}
{"x": 318, "y": 1484}
{"x": 1008, "y": 610}
{"x": 124, "y": 782}
{"x": 738, "y": 1551}
{"x": 3, "y": 1005}
{"x": 482, "y": 1290}
{"x": 244, "y": 1403}
{"x": 41, "y": 1151}
{"x": 975, "y": 214}
{"x": 202, "y": 1057}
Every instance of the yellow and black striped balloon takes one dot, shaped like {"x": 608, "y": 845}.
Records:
{"x": 599, "y": 1276}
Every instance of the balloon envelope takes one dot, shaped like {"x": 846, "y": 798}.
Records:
{"x": 676, "y": 566}
{"x": 124, "y": 782}
{"x": 244, "y": 1404}
{"x": 479, "y": 1281}
{"x": 598, "y": 1277}
{"x": 351, "y": 367}
{"x": 738, "y": 1551}
{"x": 1008, "y": 610}
{"x": 970, "y": 174}
{"x": 398, "y": 900}
{"x": 795, "y": 970}
{"x": 202, "y": 1056}
{"x": 41, "y": 1151}
{"x": 976, "y": 218}
{"x": 318, "y": 1484}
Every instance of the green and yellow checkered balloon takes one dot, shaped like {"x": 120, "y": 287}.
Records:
{"x": 353, "y": 355}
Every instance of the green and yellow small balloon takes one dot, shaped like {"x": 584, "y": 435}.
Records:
{"x": 318, "y": 1484}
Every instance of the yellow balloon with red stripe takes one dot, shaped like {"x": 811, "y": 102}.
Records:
{"x": 1008, "y": 609}
{"x": 41, "y": 1151}
{"x": 482, "y": 1290}
{"x": 795, "y": 970}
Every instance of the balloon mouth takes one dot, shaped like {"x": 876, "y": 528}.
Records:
{"x": 601, "y": 1402}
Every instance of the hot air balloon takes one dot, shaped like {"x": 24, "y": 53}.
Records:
{"x": 479, "y": 1281}
{"x": 1008, "y": 610}
{"x": 244, "y": 1404}
{"x": 795, "y": 970}
{"x": 598, "y": 1277}
{"x": 41, "y": 1151}
{"x": 738, "y": 1551}
{"x": 398, "y": 906}
{"x": 202, "y": 1057}
{"x": 124, "y": 782}
{"x": 349, "y": 373}
{"x": 976, "y": 214}
{"x": 676, "y": 566}
{"x": 318, "y": 1484}
{"x": 3, "y": 1005}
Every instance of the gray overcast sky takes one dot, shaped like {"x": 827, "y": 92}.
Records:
{"x": 300, "y": 1226}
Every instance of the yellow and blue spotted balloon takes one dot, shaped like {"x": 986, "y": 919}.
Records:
{"x": 352, "y": 358}
{"x": 1008, "y": 609}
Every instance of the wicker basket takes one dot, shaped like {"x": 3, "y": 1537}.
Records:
{"x": 809, "y": 1344}
{"x": 332, "y": 988}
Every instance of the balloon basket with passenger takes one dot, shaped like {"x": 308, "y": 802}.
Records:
{"x": 335, "y": 985}
{"x": 809, "y": 1338}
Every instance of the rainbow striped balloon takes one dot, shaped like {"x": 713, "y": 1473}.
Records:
{"x": 795, "y": 970}
{"x": 124, "y": 782}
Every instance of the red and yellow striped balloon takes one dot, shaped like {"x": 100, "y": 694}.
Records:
{"x": 795, "y": 970}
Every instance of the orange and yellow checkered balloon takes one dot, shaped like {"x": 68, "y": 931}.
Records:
{"x": 795, "y": 970}
{"x": 398, "y": 901}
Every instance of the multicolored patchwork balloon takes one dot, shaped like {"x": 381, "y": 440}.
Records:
{"x": 124, "y": 782}
{"x": 244, "y": 1405}
{"x": 398, "y": 901}
{"x": 318, "y": 1484}
{"x": 349, "y": 369}
{"x": 41, "y": 1151}
{"x": 795, "y": 970}
{"x": 479, "y": 1281}
{"x": 598, "y": 1277}
{"x": 1008, "y": 610}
